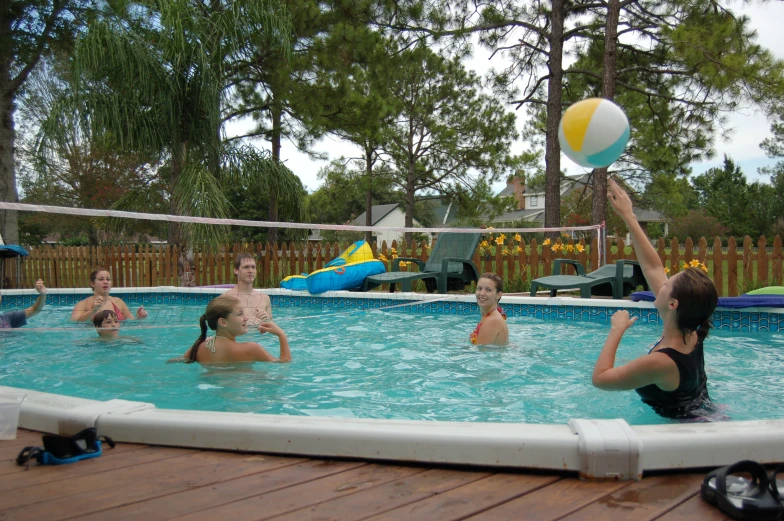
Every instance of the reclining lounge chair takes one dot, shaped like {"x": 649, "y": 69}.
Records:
{"x": 449, "y": 266}
{"x": 616, "y": 280}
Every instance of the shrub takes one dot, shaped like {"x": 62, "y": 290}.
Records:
{"x": 696, "y": 224}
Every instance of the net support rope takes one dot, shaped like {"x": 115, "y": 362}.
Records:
{"x": 265, "y": 224}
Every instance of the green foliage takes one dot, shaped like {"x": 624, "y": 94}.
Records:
{"x": 724, "y": 194}
{"x": 576, "y": 211}
{"x": 696, "y": 224}
{"x": 451, "y": 148}
{"x": 149, "y": 78}
{"x": 341, "y": 197}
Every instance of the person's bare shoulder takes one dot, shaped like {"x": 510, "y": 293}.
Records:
{"x": 231, "y": 292}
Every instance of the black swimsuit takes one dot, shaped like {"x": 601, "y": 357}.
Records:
{"x": 692, "y": 392}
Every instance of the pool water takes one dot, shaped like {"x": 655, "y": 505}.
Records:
{"x": 381, "y": 364}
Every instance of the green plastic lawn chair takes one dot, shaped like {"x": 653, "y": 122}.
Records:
{"x": 449, "y": 266}
{"x": 616, "y": 280}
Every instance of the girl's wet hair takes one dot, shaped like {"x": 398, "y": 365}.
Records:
{"x": 98, "y": 270}
{"x": 697, "y": 298}
{"x": 499, "y": 282}
{"x": 219, "y": 307}
{"x": 99, "y": 317}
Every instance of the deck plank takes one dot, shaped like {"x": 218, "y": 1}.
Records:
{"x": 412, "y": 488}
{"x": 39, "y": 474}
{"x": 180, "y": 467}
{"x": 469, "y": 499}
{"x": 642, "y": 500}
{"x": 154, "y": 480}
{"x": 553, "y": 501}
{"x": 229, "y": 491}
{"x": 695, "y": 509}
{"x": 138, "y": 482}
{"x": 285, "y": 500}
{"x": 384, "y": 497}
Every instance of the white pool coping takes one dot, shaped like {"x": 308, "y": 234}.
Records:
{"x": 606, "y": 449}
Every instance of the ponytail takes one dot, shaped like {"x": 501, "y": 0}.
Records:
{"x": 219, "y": 307}
{"x": 197, "y": 343}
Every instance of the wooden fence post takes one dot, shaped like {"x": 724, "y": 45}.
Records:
{"x": 732, "y": 268}
{"x": 748, "y": 268}
{"x": 718, "y": 267}
{"x": 762, "y": 261}
{"x": 777, "y": 259}
{"x": 675, "y": 255}
{"x": 688, "y": 251}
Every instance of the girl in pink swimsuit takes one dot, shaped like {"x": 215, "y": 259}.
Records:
{"x": 492, "y": 327}
{"x": 101, "y": 282}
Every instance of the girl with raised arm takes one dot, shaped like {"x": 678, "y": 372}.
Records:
{"x": 226, "y": 316}
{"x": 671, "y": 377}
{"x": 101, "y": 282}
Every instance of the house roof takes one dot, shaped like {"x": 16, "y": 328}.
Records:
{"x": 516, "y": 215}
{"x": 378, "y": 211}
{"x": 567, "y": 182}
{"x": 649, "y": 216}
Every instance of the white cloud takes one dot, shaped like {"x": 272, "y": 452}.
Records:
{"x": 749, "y": 126}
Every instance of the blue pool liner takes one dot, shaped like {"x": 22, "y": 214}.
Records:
{"x": 743, "y": 301}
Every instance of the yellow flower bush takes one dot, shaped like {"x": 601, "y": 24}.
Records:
{"x": 580, "y": 248}
{"x": 546, "y": 242}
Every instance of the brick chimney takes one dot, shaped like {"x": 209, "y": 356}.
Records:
{"x": 518, "y": 182}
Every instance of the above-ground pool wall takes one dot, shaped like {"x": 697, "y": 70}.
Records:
{"x": 606, "y": 449}
{"x": 557, "y": 309}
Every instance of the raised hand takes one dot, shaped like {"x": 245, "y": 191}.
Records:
{"x": 621, "y": 321}
{"x": 98, "y": 303}
{"x": 619, "y": 199}
{"x": 271, "y": 327}
{"x": 141, "y": 313}
{"x": 39, "y": 287}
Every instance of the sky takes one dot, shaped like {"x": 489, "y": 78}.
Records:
{"x": 749, "y": 127}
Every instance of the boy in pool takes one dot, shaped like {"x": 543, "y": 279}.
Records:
{"x": 257, "y": 306}
{"x": 107, "y": 325}
{"x": 18, "y": 318}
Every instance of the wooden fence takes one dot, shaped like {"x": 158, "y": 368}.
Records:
{"x": 739, "y": 269}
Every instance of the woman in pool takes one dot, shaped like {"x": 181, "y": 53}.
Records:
{"x": 671, "y": 377}
{"x": 491, "y": 329}
{"x": 101, "y": 282}
{"x": 225, "y": 315}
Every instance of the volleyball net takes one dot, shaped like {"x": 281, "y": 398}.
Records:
{"x": 516, "y": 253}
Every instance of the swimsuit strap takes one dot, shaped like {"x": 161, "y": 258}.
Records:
{"x": 210, "y": 343}
{"x": 116, "y": 310}
{"x": 473, "y": 337}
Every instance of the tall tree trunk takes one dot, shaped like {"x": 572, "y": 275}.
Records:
{"x": 369, "y": 192}
{"x": 179, "y": 159}
{"x": 9, "y": 227}
{"x": 277, "y": 116}
{"x": 552, "y": 156}
{"x": 599, "y": 203}
{"x": 410, "y": 192}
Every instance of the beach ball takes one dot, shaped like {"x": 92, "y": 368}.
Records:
{"x": 593, "y": 132}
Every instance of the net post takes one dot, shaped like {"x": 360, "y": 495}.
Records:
{"x": 603, "y": 249}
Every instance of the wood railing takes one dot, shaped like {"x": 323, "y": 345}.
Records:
{"x": 741, "y": 268}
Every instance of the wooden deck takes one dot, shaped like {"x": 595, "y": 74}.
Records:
{"x": 156, "y": 483}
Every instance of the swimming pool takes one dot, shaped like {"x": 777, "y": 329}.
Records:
{"x": 442, "y": 379}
